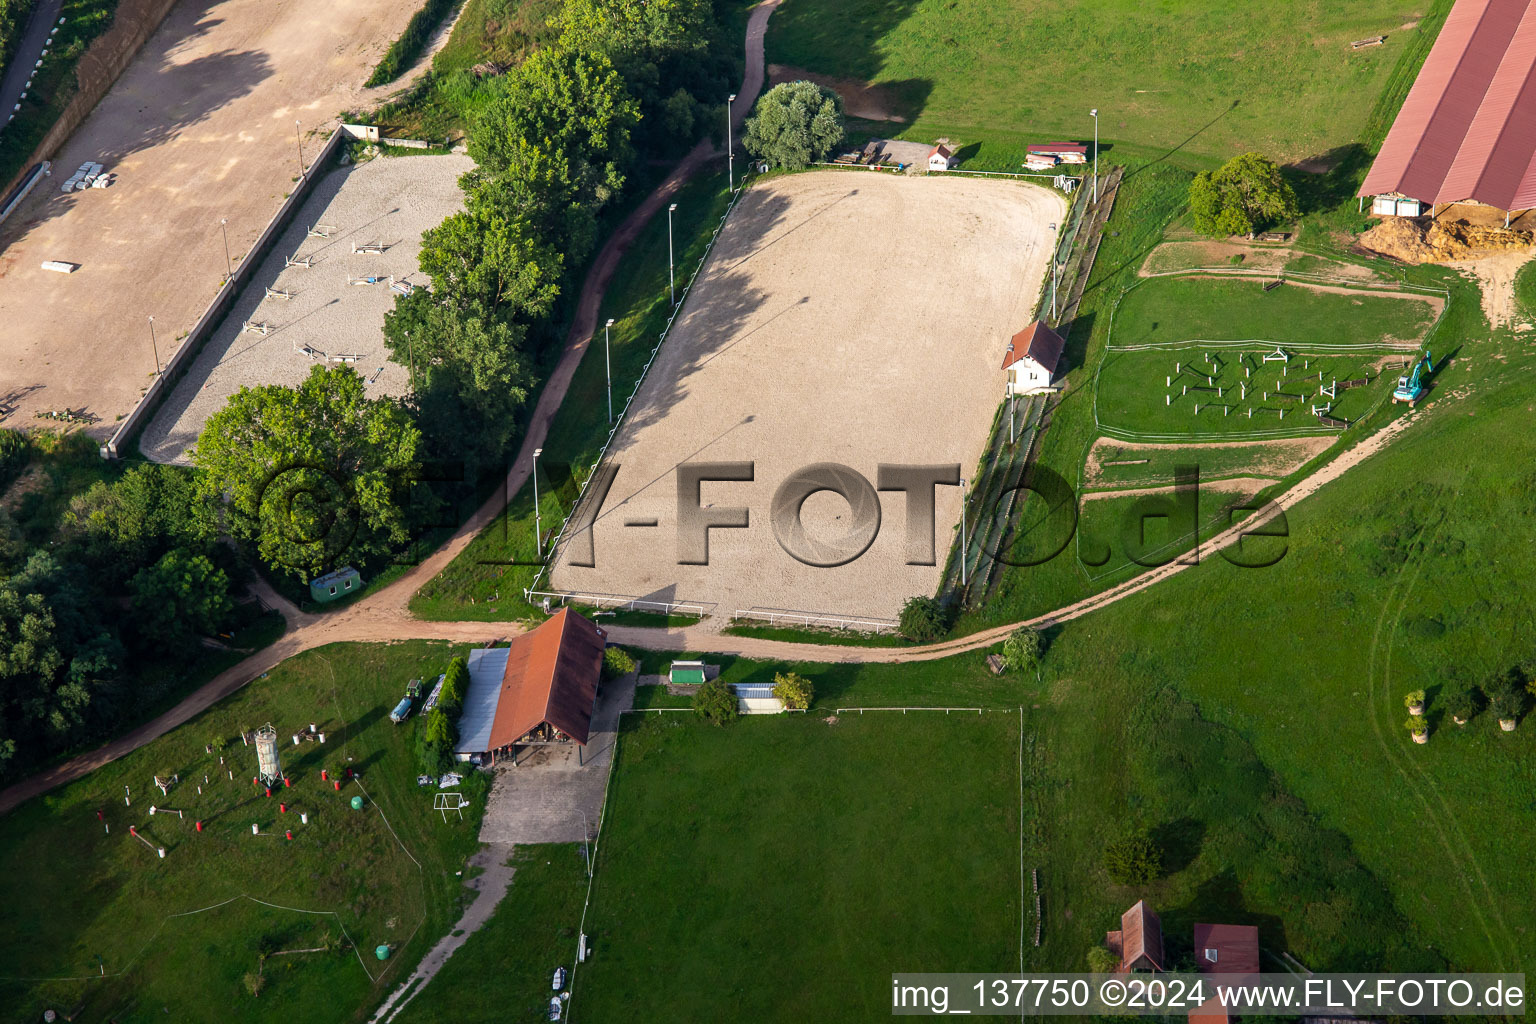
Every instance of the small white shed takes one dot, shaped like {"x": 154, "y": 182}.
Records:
{"x": 941, "y": 158}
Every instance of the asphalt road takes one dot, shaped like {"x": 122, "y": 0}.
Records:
{"x": 44, "y": 16}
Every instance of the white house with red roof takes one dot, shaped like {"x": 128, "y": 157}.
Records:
{"x": 1031, "y": 359}
{"x": 941, "y": 158}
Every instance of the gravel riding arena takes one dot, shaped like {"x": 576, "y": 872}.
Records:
{"x": 843, "y": 317}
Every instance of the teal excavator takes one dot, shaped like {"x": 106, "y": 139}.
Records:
{"x": 1411, "y": 389}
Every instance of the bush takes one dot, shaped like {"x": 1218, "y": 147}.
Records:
{"x": 1102, "y": 961}
{"x": 617, "y": 662}
{"x": 1413, "y": 699}
{"x": 1246, "y": 194}
{"x": 1021, "y": 651}
{"x": 402, "y": 53}
{"x": 435, "y": 737}
{"x": 455, "y": 685}
{"x": 716, "y": 703}
{"x": 794, "y": 690}
{"x": 1416, "y": 725}
{"x": 1506, "y": 704}
{"x": 795, "y": 124}
{"x": 15, "y": 452}
{"x": 923, "y": 620}
{"x": 1463, "y": 704}
{"x": 1133, "y": 860}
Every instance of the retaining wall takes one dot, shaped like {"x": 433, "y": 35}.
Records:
{"x": 182, "y": 359}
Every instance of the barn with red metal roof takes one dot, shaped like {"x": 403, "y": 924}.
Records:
{"x": 1467, "y": 131}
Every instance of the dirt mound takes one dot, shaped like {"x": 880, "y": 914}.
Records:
{"x": 1419, "y": 241}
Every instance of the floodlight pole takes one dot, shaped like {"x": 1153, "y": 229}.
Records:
{"x": 586, "y": 855}
{"x": 538, "y": 525}
{"x": 229, "y": 264}
{"x": 608, "y": 364}
{"x": 730, "y": 151}
{"x": 671, "y": 274}
{"x": 155, "y": 346}
{"x": 1095, "y": 114}
{"x": 299, "y": 142}
{"x": 963, "y": 581}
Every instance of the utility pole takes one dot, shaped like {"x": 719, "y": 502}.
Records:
{"x": 671, "y": 276}
{"x": 608, "y": 363}
{"x": 1094, "y": 113}
{"x": 154, "y": 345}
{"x": 730, "y": 151}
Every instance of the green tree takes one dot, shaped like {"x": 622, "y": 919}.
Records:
{"x": 794, "y": 690}
{"x": 482, "y": 258}
{"x": 125, "y": 525}
{"x": 1246, "y": 194}
{"x": 617, "y": 662}
{"x": 552, "y": 148}
{"x": 794, "y": 124}
{"x": 1506, "y": 704}
{"x": 179, "y": 595}
{"x": 15, "y": 450}
{"x": 715, "y": 702}
{"x": 1133, "y": 860}
{"x": 311, "y": 474}
{"x": 1463, "y": 704}
{"x": 1021, "y": 651}
{"x": 455, "y": 685}
{"x": 923, "y": 620}
{"x": 470, "y": 377}
{"x": 1102, "y": 961}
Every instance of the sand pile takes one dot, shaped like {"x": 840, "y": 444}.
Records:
{"x": 1442, "y": 242}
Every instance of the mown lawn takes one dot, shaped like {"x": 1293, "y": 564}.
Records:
{"x": 97, "y": 918}
{"x": 502, "y": 973}
{"x": 1210, "y": 79}
{"x": 1201, "y": 307}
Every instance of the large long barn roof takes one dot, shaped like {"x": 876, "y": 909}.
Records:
{"x": 1468, "y": 127}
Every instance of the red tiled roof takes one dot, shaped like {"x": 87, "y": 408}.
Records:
{"x": 1038, "y": 342}
{"x": 1141, "y": 938}
{"x": 551, "y": 677}
{"x": 1236, "y": 946}
{"x": 943, "y": 151}
{"x": 1468, "y": 127}
{"x": 1048, "y": 148}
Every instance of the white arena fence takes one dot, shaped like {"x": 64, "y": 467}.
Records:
{"x": 622, "y": 602}
{"x": 618, "y": 421}
{"x": 780, "y": 616}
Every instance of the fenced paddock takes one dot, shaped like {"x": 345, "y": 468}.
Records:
{"x": 841, "y": 318}
{"x": 301, "y": 308}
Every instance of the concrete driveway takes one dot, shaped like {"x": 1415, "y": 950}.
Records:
{"x": 544, "y": 798}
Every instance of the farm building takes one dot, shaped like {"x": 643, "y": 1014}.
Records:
{"x": 940, "y": 158}
{"x": 1064, "y": 152}
{"x": 538, "y": 691}
{"x": 1031, "y": 358}
{"x": 1227, "y": 948}
{"x": 1139, "y": 941}
{"x": 1465, "y": 132}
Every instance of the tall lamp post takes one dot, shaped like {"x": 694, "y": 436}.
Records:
{"x": 229, "y": 264}
{"x": 730, "y": 149}
{"x": 608, "y": 363}
{"x": 154, "y": 345}
{"x": 1094, "y": 113}
{"x": 671, "y": 276}
{"x": 538, "y": 525}
{"x": 299, "y": 143}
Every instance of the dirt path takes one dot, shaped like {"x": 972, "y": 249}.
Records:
{"x": 490, "y": 887}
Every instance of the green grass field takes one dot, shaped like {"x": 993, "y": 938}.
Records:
{"x": 185, "y": 933}
{"x": 1210, "y": 79}
{"x": 1173, "y": 391}
{"x": 1207, "y": 308}
{"x": 531, "y": 933}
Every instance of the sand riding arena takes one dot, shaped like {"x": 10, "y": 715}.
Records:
{"x": 843, "y": 317}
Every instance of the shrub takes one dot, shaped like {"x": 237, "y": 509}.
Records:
{"x": 1413, "y": 699}
{"x": 402, "y": 53}
{"x": 923, "y": 620}
{"x": 15, "y": 452}
{"x": 1506, "y": 704}
{"x": 715, "y": 702}
{"x": 1133, "y": 860}
{"x": 794, "y": 124}
{"x": 617, "y": 662}
{"x": 1416, "y": 725}
{"x": 1021, "y": 651}
{"x": 794, "y": 690}
{"x": 435, "y": 737}
{"x": 1246, "y": 194}
{"x": 455, "y": 685}
{"x": 1102, "y": 961}
{"x": 1463, "y": 704}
